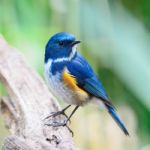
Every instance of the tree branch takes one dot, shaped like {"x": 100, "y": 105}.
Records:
{"x": 27, "y": 104}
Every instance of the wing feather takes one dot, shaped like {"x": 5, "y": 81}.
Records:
{"x": 71, "y": 82}
{"x": 87, "y": 80}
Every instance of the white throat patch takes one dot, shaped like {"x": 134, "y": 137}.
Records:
{"x": 74, "y": 49}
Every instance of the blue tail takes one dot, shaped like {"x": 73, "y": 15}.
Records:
{"x": 117, "y": 119}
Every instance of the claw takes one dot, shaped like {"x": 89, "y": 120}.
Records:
{"x": 54, "y": 114}
{"x": 62, "y": 112}
{"x": 58, "y": 124}
{"x": 70, "y": 131}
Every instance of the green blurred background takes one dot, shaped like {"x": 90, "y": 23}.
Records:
{"x": 115, "y": 37}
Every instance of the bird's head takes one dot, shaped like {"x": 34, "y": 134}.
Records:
{"x": 61, "y": 46}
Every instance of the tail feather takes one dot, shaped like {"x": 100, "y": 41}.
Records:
{"x": 117, "y": 119}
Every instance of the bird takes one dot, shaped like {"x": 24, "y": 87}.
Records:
{"x": 71, "y": 78}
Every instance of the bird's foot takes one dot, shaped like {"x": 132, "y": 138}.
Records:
{"x": 62, "y": 112}
{"x": 58, "y": 124}
{"x": 58, "y": 113}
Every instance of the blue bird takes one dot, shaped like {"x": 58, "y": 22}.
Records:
{"x": 71, "y": 78}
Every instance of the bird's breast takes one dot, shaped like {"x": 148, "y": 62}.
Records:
{"x": 64, "y": 87}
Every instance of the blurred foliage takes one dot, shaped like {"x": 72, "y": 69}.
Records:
{"x": 115, "y": 37}
{"x": 140, "y": 9}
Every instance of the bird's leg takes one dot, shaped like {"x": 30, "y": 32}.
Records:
{"x": 57, "y": 124}
{"x": 68, "y": 119}
{"x": 61, "y": 112}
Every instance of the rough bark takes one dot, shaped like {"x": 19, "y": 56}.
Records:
{"x": 27, "y": 104}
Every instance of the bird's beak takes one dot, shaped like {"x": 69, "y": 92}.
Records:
{"x": 75, "y": 42}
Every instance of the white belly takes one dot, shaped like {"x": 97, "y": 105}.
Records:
{"x": 60, "y": 90}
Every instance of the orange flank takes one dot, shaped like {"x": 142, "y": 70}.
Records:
{"x": 71, "y": 82}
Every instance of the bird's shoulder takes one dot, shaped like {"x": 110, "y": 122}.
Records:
{"x": 80, "y": 68}
{"x": 76, "y": 71}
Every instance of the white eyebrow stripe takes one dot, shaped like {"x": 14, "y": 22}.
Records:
{"x": 74, "y": 49}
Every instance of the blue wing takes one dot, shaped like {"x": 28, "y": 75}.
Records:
{"x": 87, "y": 80}
{"x": 86, "y": 77}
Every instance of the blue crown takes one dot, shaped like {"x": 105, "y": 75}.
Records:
{"x": 59, "y": 46}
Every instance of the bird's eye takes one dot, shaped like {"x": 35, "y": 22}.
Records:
{"x": 61, "y": 43}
